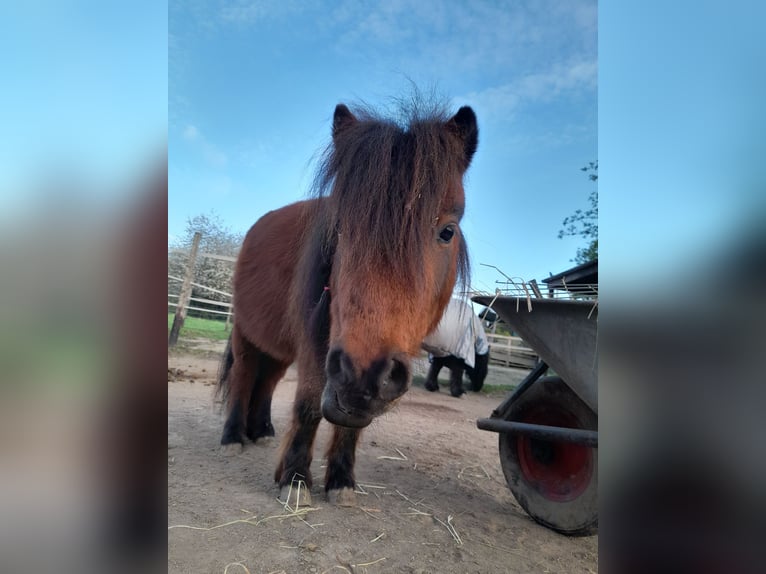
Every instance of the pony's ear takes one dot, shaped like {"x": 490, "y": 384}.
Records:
{"x": 342, "y": 119}
{"x": 463, "y": 123}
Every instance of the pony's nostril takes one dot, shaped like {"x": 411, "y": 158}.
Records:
{"x": 333, "y": 367}
{"x": 400, "y": 374}
{"x": 339, "y": 366}
{"x": 395, "y": 381}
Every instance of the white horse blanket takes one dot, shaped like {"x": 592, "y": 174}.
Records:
{"x": 459, "y": 333}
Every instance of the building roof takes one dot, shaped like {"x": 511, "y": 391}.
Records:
{"x": 584, "y": 274}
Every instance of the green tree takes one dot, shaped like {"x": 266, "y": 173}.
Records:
{"x": 585, "y": 223}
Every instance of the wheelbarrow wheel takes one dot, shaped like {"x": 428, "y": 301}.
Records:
{"x": 554, "y": 482}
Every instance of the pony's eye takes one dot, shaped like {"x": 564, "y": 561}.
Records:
{"x": 446, "y": 234}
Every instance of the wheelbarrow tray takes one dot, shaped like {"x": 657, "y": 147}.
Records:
{"x": 562, "y": 332}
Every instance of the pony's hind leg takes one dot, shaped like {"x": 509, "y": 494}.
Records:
{"x": 239, "y": 379}
{"x": 341, "y": 455}
{"x": 269, "y": 373}
{"x": 456, "y": 367}
{"x": 432, "y": 378}
{"x": 478, "y": 373}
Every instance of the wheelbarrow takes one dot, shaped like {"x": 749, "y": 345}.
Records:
{"x": 548, "y": 425}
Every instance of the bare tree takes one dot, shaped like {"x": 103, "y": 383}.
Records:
{"x": 218, "y": 239}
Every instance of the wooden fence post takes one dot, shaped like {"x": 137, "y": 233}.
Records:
{"x": 186, "y": 288}
{"x": 229, "y": 316}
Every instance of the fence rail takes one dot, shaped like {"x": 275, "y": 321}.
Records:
{"x": 208, "y": 301}
{"x": 510, "y": 351}
{"x": 189, "y": 308}
{"x": 184, "y": 300}
{"x": 228, "y": 306}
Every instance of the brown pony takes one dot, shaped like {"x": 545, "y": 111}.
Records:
{"x": 348, "y": 284}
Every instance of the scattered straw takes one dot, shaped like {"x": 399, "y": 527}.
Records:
{"x": 372, "y": 487}
{"x": 300, "y": 485}
{"x": 416, "y": 511}
{"x": 473, "y": 474}
{"x": 369, "y": 563}
{"x": 378, "y": 537}
{"x": 251, "y": 521}
{"x": 408, "y": 499}
{"x": 297, "y": 514}
{"x": 369, "y": 511}
{"x": 400, "y": 457}
{"x": 230, "y": 564}
{"x": 595, "y": 305}
{"x": 404, "y": 496}
{"x": 240, "y": 521}
{"x": 337, "y": 566}
{"x": 451, "y": 529}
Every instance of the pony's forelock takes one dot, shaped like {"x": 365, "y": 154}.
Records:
{"x": 411, "y": 161}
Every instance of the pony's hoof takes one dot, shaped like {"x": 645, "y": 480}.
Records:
{"x": 266, "y": 441}
{"x": 232, "y": 449}
{"x": 294, "y": 496}
{"x": 266, "y": 431}
{"x": 458, "y": 394}
{"x": 342, "y": 497}
{"x": 432, "y": 388}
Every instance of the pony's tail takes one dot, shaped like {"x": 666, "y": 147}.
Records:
{"x": 223, "y": 387}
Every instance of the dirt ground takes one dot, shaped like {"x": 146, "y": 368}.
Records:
{"x": 432, "y": 496}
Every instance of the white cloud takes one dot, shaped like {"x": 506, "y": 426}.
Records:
{"x": 191, "y": 133}
{"x": 559, "y": 81}
{"x": 252, "y": 11}
{"x": 210, "y": 153}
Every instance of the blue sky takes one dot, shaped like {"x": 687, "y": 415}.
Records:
{"x": 253, "y": 84}
{"x": 244, "y": 93}
{"x": 681, "y": 133}
{"x": 84, "y": 90}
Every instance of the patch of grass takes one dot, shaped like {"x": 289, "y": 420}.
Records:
{"x": 202, "y": 328}
{"x": 418, "y": 381}
{"x": 493, "y": 389}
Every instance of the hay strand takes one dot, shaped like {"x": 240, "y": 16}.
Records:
{"x": 400, "y": 457}
{"x": 451, "y": 529}
{"x": 369, "y": 563}
{"x": 239, "y": 521}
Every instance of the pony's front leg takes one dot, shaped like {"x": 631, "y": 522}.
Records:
{"x": 293, "y": 474}
{"x": 339, "y": 481}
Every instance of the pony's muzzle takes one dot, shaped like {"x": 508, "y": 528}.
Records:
{"x": 353, "y": 397}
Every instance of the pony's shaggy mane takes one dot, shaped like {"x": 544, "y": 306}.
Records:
{"x": 384, "y": 182}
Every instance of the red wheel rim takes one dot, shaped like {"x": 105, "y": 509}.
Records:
{"x": 560, "y": 471}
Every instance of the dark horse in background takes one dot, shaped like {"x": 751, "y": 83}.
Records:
{"x": 348, "y": 284}
{"x": 460, "y": 344}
